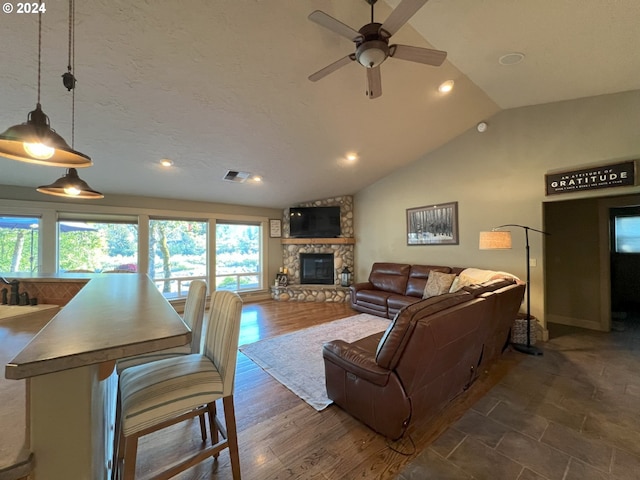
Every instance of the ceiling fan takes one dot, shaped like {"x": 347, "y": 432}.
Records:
{"x": 372, "y": 44}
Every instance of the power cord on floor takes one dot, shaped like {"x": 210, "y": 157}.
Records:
{"x": 404, "y": 445}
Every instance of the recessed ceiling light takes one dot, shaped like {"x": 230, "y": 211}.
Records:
{"x": 165, "y": 162}
{"x": 446, "y": 87}
{"x": 482, "y": 127}
{"x": 352, "y": 157}
{"x": 512, "y": 58}
{"x": 257, "y": 178}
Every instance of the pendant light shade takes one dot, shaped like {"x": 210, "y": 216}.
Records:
{"x": 70, "y": 185}
{"x": 36, "y": 142}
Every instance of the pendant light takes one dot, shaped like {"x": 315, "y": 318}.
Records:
{"x": 70, "y": 184}
{"x": 35, "y": 141}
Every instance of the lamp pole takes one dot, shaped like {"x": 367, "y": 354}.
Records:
{"x": 520, "y": 347}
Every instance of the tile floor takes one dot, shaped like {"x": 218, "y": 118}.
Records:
{"x": 572, "y": 414}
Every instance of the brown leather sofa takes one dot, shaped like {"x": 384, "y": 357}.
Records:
{"x": 392, "y": 286}
{"x": 430, "y": 353}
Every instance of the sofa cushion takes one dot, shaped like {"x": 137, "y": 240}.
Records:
{"x": 438, "y": 283}
{"x": 398, "y": 302}
{"x": 418, "y": 278}
{"x": 390, "y": 277}
{"x": 399, "y": 331}
{"x": 373, "y": 297}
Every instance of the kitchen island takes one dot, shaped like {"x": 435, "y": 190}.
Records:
{"x": 69, "y": 368}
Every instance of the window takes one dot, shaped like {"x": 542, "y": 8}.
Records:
{"x": 177, "y": 254}
{"x": 97, "y": 245}
{"x": 19, "y": 244}
{"x": 238, "y": 256}
{"x": 627, "y": 234}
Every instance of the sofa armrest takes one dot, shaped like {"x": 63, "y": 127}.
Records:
{"x": 356, "y": 287}
{"x": 355, "y": 360}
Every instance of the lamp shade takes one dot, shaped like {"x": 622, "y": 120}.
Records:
{"x": 36, "y": 142}
{"x": 495, "y": 240}
{"x": 70, "y": 185}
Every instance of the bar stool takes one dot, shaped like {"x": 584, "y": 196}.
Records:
{"x": 155, "y": 395}
{"x": 193, "y": 316}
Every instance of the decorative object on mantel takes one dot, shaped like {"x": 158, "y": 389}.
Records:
{"x": 275, "y": 228}
{"x": 433, "y": 225}
{"x": 70, "y": 184}
{"x": 35, "y": 141}
{"x": 621, "y": 174}
{"x": 500, "y": 240}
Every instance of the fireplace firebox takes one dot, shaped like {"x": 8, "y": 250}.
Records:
{"x": 316, "y": 268}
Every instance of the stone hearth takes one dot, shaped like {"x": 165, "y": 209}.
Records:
{"x": 342, "y": 249}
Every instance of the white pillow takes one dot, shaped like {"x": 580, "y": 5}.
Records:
{"x": 461, "y": 281}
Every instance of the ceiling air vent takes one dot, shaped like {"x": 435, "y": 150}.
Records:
{"x": 236, "y": 177}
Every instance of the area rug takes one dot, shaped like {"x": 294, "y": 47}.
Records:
{"x": 295, "y": 359}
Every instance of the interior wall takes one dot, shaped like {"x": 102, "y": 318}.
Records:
{"x": 497, "y": 177}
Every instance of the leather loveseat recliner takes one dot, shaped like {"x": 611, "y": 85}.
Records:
{"x": 392, "y": 286}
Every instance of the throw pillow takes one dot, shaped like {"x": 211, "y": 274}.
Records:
{"x": 438, "y": 283}
{"x": 461, "y": 281}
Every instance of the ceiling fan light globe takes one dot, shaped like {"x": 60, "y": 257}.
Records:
{"x": 372, "y": 53}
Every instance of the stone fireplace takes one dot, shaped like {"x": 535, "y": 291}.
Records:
{"x": 317, "y": 269}
{"x": 339, "y": 250}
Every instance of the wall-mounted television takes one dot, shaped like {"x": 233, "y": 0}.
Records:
{"x": 310, "y": 222}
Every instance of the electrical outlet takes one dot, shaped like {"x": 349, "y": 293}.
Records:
{"x": 533, "y": 262}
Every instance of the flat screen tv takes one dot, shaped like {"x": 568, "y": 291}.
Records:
{"x": 310, "y": 222}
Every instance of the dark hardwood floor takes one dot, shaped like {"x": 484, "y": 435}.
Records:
{"x": 281, "y": 437}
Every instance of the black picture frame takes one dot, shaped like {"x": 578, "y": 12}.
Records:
{"x": 433, "y": 225}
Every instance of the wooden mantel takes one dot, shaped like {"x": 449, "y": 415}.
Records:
{"x": 311, "y": 241}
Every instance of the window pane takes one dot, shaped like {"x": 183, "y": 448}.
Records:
{"x": 238, "y": 257}
{"x": 627, "y": 234}
{"x": 178, "y": 254}
{"x": 97, "y": 247}
{"x": 19, "y": 244}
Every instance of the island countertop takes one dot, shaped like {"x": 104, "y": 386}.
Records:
{"x": 112, "y": 317}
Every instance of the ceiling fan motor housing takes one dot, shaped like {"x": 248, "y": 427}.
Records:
{"x": 373, "y": 48}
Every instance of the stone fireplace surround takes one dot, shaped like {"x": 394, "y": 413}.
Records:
{"x": 342, "y": 249}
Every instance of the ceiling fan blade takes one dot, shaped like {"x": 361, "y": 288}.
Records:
{"x": 418, "y": 54}
{"x": 374, "y": 83}
{"x": 334, "y": 25}
{"x": 314, "y": 77}
{"x": 401, "y": 15}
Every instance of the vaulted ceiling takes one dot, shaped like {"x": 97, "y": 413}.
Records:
{"x": 222, "y": 85}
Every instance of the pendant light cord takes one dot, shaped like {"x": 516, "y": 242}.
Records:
{"x": 71, "y": 68}
{"x": 39, "y": 47}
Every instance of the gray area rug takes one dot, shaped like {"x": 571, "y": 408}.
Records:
{"x": 295, "y": 359}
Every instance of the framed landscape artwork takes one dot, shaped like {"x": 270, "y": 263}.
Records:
{"x": 433, "y": 225}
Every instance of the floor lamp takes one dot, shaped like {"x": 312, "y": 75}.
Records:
{"x": 495, "y": 240}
